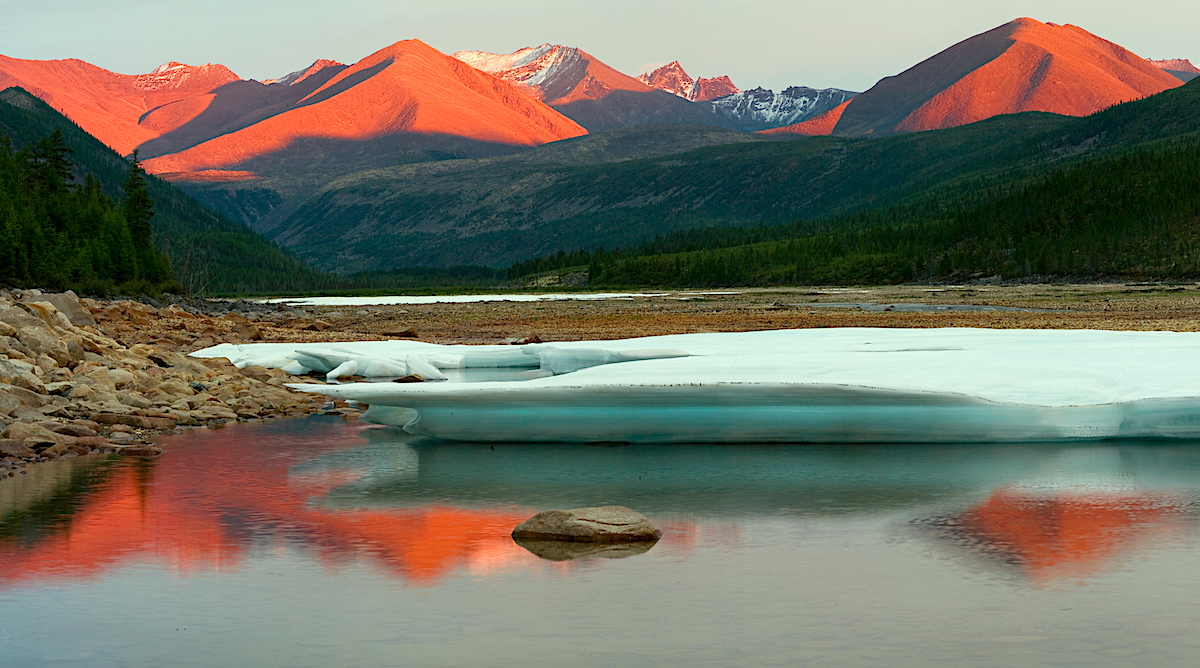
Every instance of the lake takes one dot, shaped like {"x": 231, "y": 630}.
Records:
{"x": 317, "y": 542}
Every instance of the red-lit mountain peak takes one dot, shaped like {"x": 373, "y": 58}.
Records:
{"x": 1024, "y": 65}
{"x": 673, "y": 79}
{"x": 407, "y": 87}
{"x": 106, "y": 104}
{"x": 555, "y": 73}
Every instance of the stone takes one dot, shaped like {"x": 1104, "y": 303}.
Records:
{"x": 603, "y": 524}
{"x": 7, "y": 329}
{"x": 44, "y": 341}
{"x": 77, "y": 430}
{"x": 24, "y": 431}
{"x": 410, "y": 378}
{"x": 139, "y": 450}
{"x": 21, "y": 374}
{"x": 121, "y": 378}
{"x": 69, "y": 305}
{"x": 139, "y": 421}
{"x": 47, "y": 313}
{"x": 19, "y": 317}
{"x": 565, "y": 550}
{"x": 405, "y": 333}
{"x": 13, "y": 448}
{"x": 174, "y": 311}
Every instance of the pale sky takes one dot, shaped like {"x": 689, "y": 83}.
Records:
{"x": 769, "y": 43}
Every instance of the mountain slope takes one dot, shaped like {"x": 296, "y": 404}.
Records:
{"x": 588, "y": 91}
{"x": 1180, "y": 68}
{"x": 407, "y": 88}
{"x": 497, "y": 213}
{"x": 673, "y": 79}
{"x": 1021, "y": 66}
{"x": 207, "y": 251}
{"x": 107, "y": 105}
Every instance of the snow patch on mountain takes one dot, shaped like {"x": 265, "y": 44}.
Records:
{"x": 536, "y": 67}
{"x": 673, "y": 79}
{"x": 174, "y": 75}
{"x": 793, "y": 105}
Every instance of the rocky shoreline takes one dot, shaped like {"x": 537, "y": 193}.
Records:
{"x": 82, "y": 377}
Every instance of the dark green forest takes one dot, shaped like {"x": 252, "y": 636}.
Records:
{"x": 208, "y": 253}
{"x": 60, "y": 233}
{"x": 1067, "y": 211}
{"x": 1135, "y": 215}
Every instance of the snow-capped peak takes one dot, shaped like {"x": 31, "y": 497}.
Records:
{"x": 300, "y": 75}
{"x": 673, "y": 79}
{"x": 173, "y": 74}
{"x": 534, "y": 67}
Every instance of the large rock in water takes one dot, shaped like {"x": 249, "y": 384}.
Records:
{"x": 605, "y": 524}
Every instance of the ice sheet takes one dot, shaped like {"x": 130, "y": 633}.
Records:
{"x": 818, "y": 385}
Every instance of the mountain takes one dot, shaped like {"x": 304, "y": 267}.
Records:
{"x": 1021, "y": 66}
{"x": 502, "y": 210}
{"x": 674, "y": 80}
{"x": 208, "y": 252}
{"x": 591, "y": 93}
{"x": 761, "y": 108}
{"x": 110, "y": 106}
{"x": 1180, "y": 68}
{"x": 408, "y": 88}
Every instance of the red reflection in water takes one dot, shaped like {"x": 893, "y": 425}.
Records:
{"x": 1053, "y": 535}
{"x": 197, "y": 508}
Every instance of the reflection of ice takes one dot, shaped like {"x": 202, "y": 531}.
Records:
{"x": 833, "y": 385}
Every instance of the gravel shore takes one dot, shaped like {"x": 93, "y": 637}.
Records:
{"x": 84, "y": 377}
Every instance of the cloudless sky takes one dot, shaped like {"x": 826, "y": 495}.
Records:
{"x": 771, "y": 43}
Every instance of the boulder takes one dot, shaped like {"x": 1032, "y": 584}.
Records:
{"x": 604, "y": 524}
{"x": 68, "y": 304}
{"x": 138, "y": 450}
{"x": 566, "y": 550}
{"x": 47, "y": 342}
{"x": 19, "y": 317}
{"x": 21, "y": 374}
{"x": 14, "y": 448}
{"x": 139, "y": 421}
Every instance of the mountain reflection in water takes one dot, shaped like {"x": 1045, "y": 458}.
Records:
{"x": 420, "y": 510}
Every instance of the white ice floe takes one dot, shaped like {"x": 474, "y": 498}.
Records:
{"x": 815, "y": 385}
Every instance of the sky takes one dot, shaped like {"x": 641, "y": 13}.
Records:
{"x": 770, "y": 43}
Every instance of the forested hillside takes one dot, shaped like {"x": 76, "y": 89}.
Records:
{"x": 1135, "y": 215}
{"x": 1113, "y": 194}
{"x": 207, "y": 252}
{"x": 499, "y": 211}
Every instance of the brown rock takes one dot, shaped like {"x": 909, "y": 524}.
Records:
{"x": 139, "y": 450}
{"x": 24, "y": 431}
{"x": 77, "y": 430}
{"x": 248, "y": 331}
{"x": 69, "y": 305}
{"x": 406, "y": 333}
{"x": 19, "y": 317}
{"x": 21, "y": 374}
{"x": 14, "y": 448}
{"x": 410, "y": 378}
{"x": 565, "y": 550}
{"x": 603, "y": 524}
{"x": 139, "y": 421}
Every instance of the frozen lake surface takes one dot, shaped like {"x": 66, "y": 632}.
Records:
{"x": 835, "y": 385}
{"x": 314, "y": 542}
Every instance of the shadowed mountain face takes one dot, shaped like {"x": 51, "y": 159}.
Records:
{"x": 1021, "y": 66}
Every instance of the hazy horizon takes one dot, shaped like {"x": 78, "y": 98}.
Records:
{"x": 762, "y": 43}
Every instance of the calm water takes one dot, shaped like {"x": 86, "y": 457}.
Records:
{"x": 319, "y": 543}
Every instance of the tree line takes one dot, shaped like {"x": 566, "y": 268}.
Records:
{"x": 59, "y": 231}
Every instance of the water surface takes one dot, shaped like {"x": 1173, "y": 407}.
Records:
{"x": 315, "y": 542}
